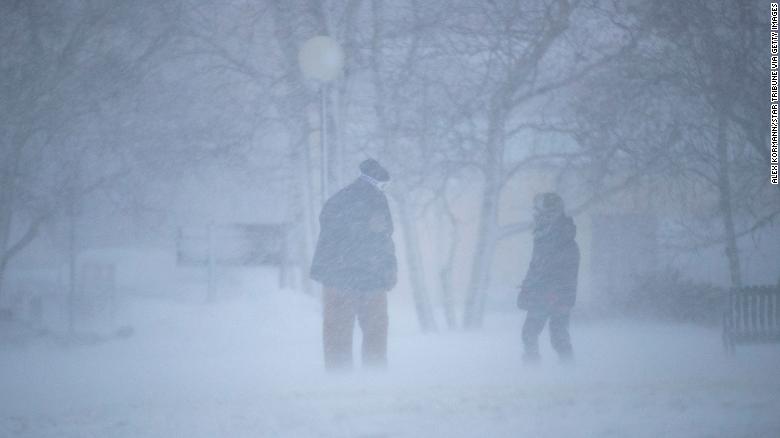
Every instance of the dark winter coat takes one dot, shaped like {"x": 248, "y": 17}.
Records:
{"x": 355, "y": 249}
{"x": 551, "y": 280}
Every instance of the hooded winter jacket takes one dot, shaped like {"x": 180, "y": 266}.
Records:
{"x": 551, "y": 280}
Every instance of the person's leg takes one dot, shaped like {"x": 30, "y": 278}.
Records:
{"x": 534, "y": 323}
{"x": 559, "y": 335}
{"x": 373, "y": 320}
{"x": 338, "y": 320}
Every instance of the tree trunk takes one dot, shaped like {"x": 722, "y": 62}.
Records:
{"x": 6, "y": 213}
{"x": 2, "y": 279}
{"x": 488, "y": 216}
{"x": 725, "y": 203}
{"x": 72, "y": 254}
{"x": 4, "y": 232}
{"x": 385, "y": 134}
{"x": 483, "y": 257}
{"x": 446, "y": 267}
{"x": 422, "y": 301}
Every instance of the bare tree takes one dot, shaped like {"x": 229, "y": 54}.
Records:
{"x": 507, "y": 55}
{"x": 59, "y": 61}
{"x": 390, "y": 73}
{"x": 691, "y": 114}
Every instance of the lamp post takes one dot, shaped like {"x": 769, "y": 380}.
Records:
{"x": 322, "y": 60}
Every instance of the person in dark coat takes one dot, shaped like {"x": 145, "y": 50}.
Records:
{"x": 549, "y": 289}
{"x": 356, "y": 264}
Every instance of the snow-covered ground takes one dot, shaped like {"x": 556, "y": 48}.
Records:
{"x": 251, "y": 367}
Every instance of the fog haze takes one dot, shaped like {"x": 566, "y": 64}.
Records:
{"x": 164, "y": 165}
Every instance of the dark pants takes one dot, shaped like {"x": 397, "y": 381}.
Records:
{"x": 559, "y": 333}
{"x": 340, "y": 309}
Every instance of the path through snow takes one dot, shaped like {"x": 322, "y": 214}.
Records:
{"x": 252, "y": 368}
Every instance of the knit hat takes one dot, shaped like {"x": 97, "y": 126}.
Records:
{"x": 550, "y": 202}
{"x": 374, "y": 170}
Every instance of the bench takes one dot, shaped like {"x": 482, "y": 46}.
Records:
{"x": 752, "y": 316}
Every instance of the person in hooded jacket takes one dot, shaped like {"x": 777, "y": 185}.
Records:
{"x": 549, "y": 289}
{"x": 356, "y": 264}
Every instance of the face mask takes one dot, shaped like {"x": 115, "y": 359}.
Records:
{"x": 380, "y": 185}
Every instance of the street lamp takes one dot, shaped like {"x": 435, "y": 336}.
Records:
{"x": 322, "y": 60}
